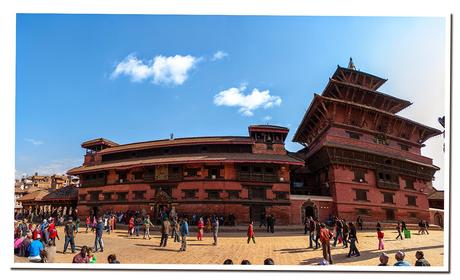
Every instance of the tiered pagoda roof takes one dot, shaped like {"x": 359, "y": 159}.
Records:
{"x": 355, "y": 94}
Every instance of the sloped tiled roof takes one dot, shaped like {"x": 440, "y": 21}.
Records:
{"x": 439, "y": 195}
{"x": 65, "y": 193}
{"x": 191, "y": 158}
{"x": 34, "y": 196}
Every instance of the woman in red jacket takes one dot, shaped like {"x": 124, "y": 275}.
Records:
{"x": 380, "y": 238}
{"x": 53, "y": 233}
{"x": 200, "y": 229}
{"x": 131, "y": 226}
{"x": 251, "y": 233}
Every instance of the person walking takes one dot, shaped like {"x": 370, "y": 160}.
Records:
{"x": 138, "y": 224}
{"x": 88, "y": 223}
{"x": 131, "y": 226}
{"x": 353, "y": 240}
{"x": 251, "y": 233}
{"x": 346, "y": 231}
{"x": 271, "y": 223}
{"x": 399, "y": 230}
{"x": 312, "y": 231}
{"x": 200, "y": 226}
{"x": 53, "y": 233}
{"x": 147, "y": 224}
{"x": 99, "y": 229}
{"x": 317, "y": 233}
{"x": 164, "y": 229}
{"x": 175, "y": 226}
{"x": 325, "y": 237}
{"x": 359, "y": 222}
{"x": 70, "y": 232}
{"x": 338, "y": 231}
{"x": 214, "y": 229}
{"x": 380, "y": 236}
{"x": 183, "y": 233}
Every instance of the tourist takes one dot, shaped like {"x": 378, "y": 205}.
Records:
{"x": 81, "y": 257}
{"x": 325, "y": 237}
{"x": 399, "y": 256}
{"x": 263, "y": 220}
{"x": 164, "y": 229}
{"x": 399, "y": 230}
{"x": 426, "y": 225}
{"x": 380, "y": 236}
{"x": 200, "y": 227}
{"x": 147, "y": 225}
{"x": 215, "y": 229}
{"x": 18, "y": 239}
{"x": 112, "y": 259}
{"x": 175, "y": 230}
{"x": 245, "y": 262}
{"x": 70, "y": 231}
{"x": 91, "y": 255}
{"x": 353, "y": 237}
{"x": 99, "y": 229}
{"x": 88, "y": 223}
{"x": 359, "y": 222}
{"x": 306, "y": 225}
{"x": 383, "y": 259}
{"x": 44, "y": 231}
{"x": 51, "y": 252}
{"x": 338, "y": 231}
{"x": 131, "y": 226}
{"x": 112, "y": 223}
{"x": 53, "y": 233}
{"x": 208, "y": 225}
{"x": 138, "y": 224}
{"x": 77, "y": 224}
{"x": 312, "y": 231}
{"x": 251, "y": 233}
{"x": 345, "y": 232}
{"x": 421, "y": 261}
{"x": 183, "y": 233}
{"x": 317, "y": 233}
{"x": 269, "y": 261}
{"x": 24, "y": 248}
{"x": 35, "y": 248}
{"x": 228, "y": 261}
{"x": 271, "y": 224}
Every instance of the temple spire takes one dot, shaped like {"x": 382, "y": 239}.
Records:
{"x": 351, "y": 65}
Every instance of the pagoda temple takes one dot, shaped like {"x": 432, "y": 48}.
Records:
{"x": 361, "y": 154}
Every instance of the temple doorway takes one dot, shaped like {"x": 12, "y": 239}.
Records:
{"x": 309, "y": 209}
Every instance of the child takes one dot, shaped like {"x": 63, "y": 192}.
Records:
{"x": 380, "y": 238}
{"x": 91, "y": 255}
{"x": 251, "y": 233}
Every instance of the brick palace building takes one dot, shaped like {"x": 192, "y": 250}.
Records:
{"x": 359, "y": 158}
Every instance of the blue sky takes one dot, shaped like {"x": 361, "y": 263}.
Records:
{"x": 138, "y": 78}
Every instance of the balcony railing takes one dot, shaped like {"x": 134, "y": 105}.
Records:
{"x": 258, "y": 177}
{"x": 93, "y": 183}
{"x": 388, "y": 185}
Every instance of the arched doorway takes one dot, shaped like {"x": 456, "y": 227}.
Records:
{"x": 438, "y": 219}
{"x": 309, "y": 209}
{"x": 161, "y": 205}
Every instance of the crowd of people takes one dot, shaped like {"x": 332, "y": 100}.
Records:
{"x": 38, "y": 242}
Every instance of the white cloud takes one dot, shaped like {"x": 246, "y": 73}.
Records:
{"x": 34, "y": 142}
{"x": 219, "y": 55}
{"x": 267, "y": 118}
{"x": 57, "y": 166}
{"x": 172, "y": 70}
{"x": 235, "y": 97}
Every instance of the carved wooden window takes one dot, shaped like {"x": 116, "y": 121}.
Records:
{"x": 107, "y": 196}
{"x": 411, "y": 200}
{"x": 363, "y": 211}
{"x": 121, "y": 196}
{"x": 281, "y": 195}
{"x": 94, "y": 196}
{"x": 190, "y": 194}
{"x": 409, "y": 184}
{"x": 233, "y": 194}
{"x": 82, "y": 197}
{"x": 404, "y": 147}
{"x": 138, "y": 175}
{"x": 213, "y": 194}
{"x": 191, "y": 172}
{"x": 388, "y": 198}
{"x": 361, "y": 195}
{"x": 139, "y": 195}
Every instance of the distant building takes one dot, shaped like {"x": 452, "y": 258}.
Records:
{"x": 436, "y": 202}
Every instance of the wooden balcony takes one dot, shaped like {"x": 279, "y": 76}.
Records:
{"x": 258, "y": 177}
{"x": 93, "y": 183}
{"x": 388, "y": 185}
